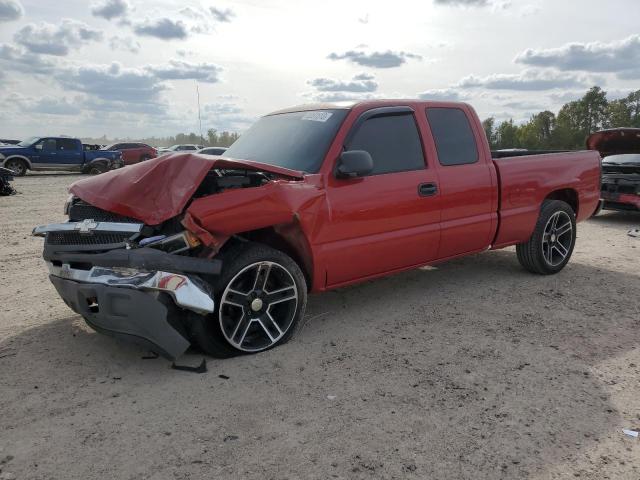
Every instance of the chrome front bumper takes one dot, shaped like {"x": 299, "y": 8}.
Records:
{"x": 185, "y": 292}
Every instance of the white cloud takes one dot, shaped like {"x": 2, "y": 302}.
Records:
{"x": 462, "y": 3}
{"x": 127, "y": 44}
{"x": 182, "y": 70}
{"x": 527, "y": 80}
{"x": 162, "y": 28}
{"x": 387, "y": 59}
{"x": 223, "y": 15}
{"x": 621, "y": 57}
{"x": 443, "y": 94}
{"x": 10, "y": 10}
{"x": 360, "y": 83}
{"x": 110, "y": 9}
{"x": 48, "y": 39}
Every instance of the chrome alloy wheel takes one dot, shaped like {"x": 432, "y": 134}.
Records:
{"x": 557, "y": 238}
{"x": 258, "y": 306}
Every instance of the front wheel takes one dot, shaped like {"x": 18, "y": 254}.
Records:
{"x": 260, "y": 297}
{"x": 17, "y": 166}
{"x": 551, "y": 244}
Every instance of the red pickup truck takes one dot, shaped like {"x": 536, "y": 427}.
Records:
{"x": 222, "y": 251}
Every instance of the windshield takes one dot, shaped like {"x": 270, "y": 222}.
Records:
{"x": 173, "y": 148}
{"x": 297, "y": 140}
{"x": 28, "y": 142}
{"x": 622, "y": 159}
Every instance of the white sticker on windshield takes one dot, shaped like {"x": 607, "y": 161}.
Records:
{"x": 317, "y": 116}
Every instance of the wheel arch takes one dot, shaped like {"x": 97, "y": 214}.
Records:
{"x": 567, "y": 195}
{"x": 290, "y": 240}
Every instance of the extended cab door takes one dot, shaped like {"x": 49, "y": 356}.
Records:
{"x": 69, "y": 152}
{"x": 468, "y": 181}
{"x": 390, "y": 219}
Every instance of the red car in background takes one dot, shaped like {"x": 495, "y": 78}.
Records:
{"x": 134, "y": 152}
{"x": 620, "y": 151}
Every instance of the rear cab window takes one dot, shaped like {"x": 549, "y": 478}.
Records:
{"x": 453, "y": 136}
{"x": 392, "y": 141}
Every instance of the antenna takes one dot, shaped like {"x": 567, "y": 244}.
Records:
{"x": 199, "y": 117}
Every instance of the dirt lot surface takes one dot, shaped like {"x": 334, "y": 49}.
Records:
{"x": 474, "y": 369}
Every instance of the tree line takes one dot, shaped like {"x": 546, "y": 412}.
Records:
{"x": 569, "y": 129}
{"x": 212, "y": 139}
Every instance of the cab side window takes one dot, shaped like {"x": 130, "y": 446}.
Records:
{"x": 66, "y": 144}
{"x": 392, "y": 141}
{"x": 46, "y": 145}
{"x": 453, "y": 136}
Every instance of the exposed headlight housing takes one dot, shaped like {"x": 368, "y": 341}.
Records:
{"x": 67, "y": 204}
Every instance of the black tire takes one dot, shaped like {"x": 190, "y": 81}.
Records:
{"x": 144, "y": 158}
{"x": 96, "y": 169}
{"x": 18, "y": 166}
{"x": 207, "y": 331}
{"x": 548, "y": 251}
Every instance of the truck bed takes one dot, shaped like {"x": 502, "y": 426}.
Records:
{"x": 525, "y": 181}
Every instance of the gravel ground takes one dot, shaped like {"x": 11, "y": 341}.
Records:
{"x": 473, "y": 369}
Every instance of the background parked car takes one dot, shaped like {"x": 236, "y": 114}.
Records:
{"x": 180, "y": 148}
{"x": 620, "y": 150}
{"x": 9, "y": 141}
{"x": 57, "y": 153}
{"x": 213, "y": 150}
{"x": 134, "y": 152}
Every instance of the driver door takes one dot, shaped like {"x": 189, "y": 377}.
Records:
{"x": 45, "y": 153}
{"x": 390, "y": 219}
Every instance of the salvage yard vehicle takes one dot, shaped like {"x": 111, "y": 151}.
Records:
{"x": 221, "y": 252}
{"x": 180, "y": 148}
{"x": 6, "y": 176}
{"x": 134, "y": 152}
{"x": 620, "y": 150}
{"x": 57, "y": 153}
{"x": 213, "y": 150}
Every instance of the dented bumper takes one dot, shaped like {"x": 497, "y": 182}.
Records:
{"x": 131, "y": 304}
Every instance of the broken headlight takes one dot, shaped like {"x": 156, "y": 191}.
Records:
{"x": 177, "y": 243}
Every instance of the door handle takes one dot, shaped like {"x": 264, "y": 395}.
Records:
{"x": 427, "y": 189}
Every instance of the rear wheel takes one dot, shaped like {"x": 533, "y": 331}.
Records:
{"x": 17, "y": 166}
{"x": 260, "y": 298}
{"x": 551, "y": 245}
{"x": 97, "y": 169}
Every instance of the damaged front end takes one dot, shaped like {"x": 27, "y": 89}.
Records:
{"x": 124, "y": 286}
{"x": 620, "y": 151}
{"x": 131, "y": 260}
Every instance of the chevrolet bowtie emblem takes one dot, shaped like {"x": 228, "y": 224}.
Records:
{"x": 86, "y": 226}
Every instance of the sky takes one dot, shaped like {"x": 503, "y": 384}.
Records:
{"x": 132, "y": 68}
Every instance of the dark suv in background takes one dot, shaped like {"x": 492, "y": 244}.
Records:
{"x": 134, "y": 152}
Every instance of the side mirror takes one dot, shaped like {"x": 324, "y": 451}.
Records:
{"x": 354, "y": 163}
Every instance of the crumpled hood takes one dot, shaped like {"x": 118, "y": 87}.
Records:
{"x": 615, "y": 141}
{"x": 157, "y": 190}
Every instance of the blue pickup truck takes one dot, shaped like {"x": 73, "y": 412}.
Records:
{"x": 57, "y": 153}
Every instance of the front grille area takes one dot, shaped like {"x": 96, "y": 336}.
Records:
{"x": 608, "y": 205}
{"x": 80, "y": 211}
{"x": 72, "y": 238}
{"x": 619, "y": 188}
